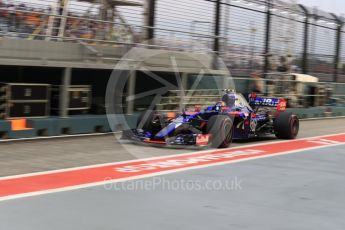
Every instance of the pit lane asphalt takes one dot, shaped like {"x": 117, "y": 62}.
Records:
{"x": 303, "y": 190}
{"x": 42, "y": 155}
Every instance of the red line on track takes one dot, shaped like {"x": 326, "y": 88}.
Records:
{"x": 27, "y": 184}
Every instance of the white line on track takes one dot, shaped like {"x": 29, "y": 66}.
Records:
{"x": 70, "y": 188}
{"x": 322, "y": 118}
{"x": 56, "y": 137}
{"x": 155, "y": 158}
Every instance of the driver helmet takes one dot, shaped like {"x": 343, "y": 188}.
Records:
{"x": 229, "y": 98}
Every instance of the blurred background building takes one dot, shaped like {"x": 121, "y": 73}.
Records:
{"x": 72, "y": 46}
{"x": 249, "y": 33}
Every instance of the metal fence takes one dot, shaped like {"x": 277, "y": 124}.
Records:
{"x": 300, "y": 94}
{"x": 250, "y": 35}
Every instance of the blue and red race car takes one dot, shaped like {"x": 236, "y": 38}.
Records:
{"x": 217, "y": 125}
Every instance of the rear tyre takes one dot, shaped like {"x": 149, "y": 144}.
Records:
{"x": 221, "y": 130}
{"x": 286, "y": 126}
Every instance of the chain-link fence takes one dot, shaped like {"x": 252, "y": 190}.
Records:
{"x": 260, "y": 35}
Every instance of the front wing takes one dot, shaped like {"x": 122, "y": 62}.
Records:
{"x": 192, "y": 139}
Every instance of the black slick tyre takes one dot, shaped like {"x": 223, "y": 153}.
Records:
{"x": 286, "y": 125}
{"x": 221, "y": 130}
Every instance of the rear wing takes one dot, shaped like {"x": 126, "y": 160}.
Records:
{"x": 256, "y": 101}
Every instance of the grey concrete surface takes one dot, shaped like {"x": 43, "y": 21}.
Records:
{"x": 303, "y": 191}
{"x": 33, "y": 156}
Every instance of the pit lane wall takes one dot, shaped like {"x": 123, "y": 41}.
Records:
{"x": 85, "y": 124}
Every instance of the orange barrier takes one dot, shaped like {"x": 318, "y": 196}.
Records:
{"x": 19, "y": 124}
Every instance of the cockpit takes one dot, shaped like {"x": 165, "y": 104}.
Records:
{"x": 233, "y": 102}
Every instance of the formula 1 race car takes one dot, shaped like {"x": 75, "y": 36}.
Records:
{"x": 217, "y": 125}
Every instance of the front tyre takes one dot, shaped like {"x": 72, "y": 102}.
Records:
{"x": 286, "y": 126}
{"x": 221, "y": 130}
{"x": 150, "y": 120}
{"x": 145, "y": 119}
